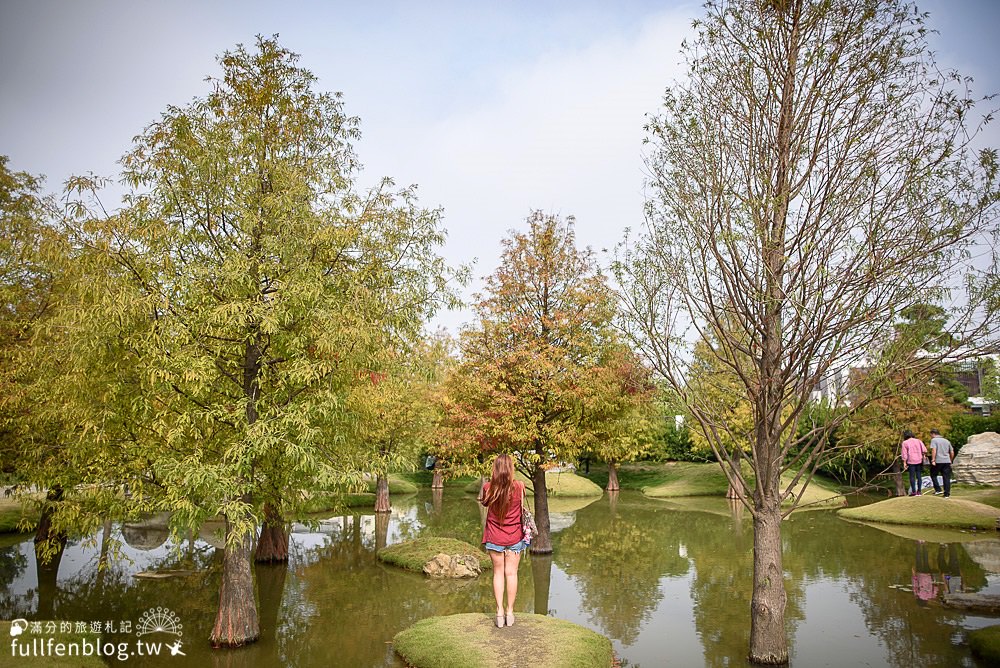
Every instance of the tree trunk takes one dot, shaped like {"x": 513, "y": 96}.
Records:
{"x": 272, "y": 547}
{"x": 102, "y": 561}
{"x": 382, "y": 494}
{"x": 47, "y": 576}
{"x": 613, "y": 477}
{"x": 541, "y": 575}
{"x": 768, "y": 644}
{"x": 542, "y": 544}
{"x": 44, "y": 534}
{"x": 236, "y": 622}
{"x": 613, "y": 503}
{"x": 897, "y": 477}
{"x": 438, "y": 481}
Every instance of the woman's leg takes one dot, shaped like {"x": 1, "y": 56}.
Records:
{"x": 498, "y": 577}
{"x": 912, "y": 470}
{"x": 511, "y": 562}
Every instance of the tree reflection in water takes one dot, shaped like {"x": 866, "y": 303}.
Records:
{"x": 660, "y": 577}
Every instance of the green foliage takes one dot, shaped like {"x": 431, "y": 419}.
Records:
{"x": 964, "y": 425}
{"x": 412, "y": 555}
{"x": 220, "y": 327}
{"x": 541, "y": 373}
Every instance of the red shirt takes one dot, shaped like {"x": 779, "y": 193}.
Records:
{"x": 505, "y": 531}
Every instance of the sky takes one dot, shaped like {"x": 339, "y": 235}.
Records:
{"x": 493, "y": 109}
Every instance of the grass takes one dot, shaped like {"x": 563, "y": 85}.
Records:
{"x": 412, "y": 555}
{"x": 685, "y": 479}
{"x": 927, "y": 510}
{"x": 985, "y": 643}
{"x": 558, "y": 484}
{"x": 397, "y": 485}
{"x": 472, "y": 641}
{"x": 424, "y": 478}
{"x": 678, "y": 479}
{"x": 8, "y": 661}
{"x": 321, "y": 503}
{"x": 11, "y": 512}
{"x": 980, "y": 494}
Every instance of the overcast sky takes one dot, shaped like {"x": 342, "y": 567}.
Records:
{"x": 492, "y": 109}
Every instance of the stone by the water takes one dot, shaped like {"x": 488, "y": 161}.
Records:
{"x": 453, "y": 566}
{"x": 978, "y": 462}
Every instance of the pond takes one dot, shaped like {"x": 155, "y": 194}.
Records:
{"x": 667, "y": 581}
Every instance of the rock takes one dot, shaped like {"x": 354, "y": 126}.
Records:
{"x": 978, "y": 462}
{"x": 988, "y": 603}
{"x": 986, "y": 553}
{"x": 453, "y": 566}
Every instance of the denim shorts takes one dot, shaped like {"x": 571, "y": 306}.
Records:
{"x": 516, "y": 548}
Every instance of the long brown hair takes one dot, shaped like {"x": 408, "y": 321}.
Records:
{"x": 501, "y": 485}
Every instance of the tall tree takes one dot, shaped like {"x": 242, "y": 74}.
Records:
{"x": 30, "y": 445}
{"x": 620, "y": 409}
{"x": 244, "y": 287}
{"x": 811, "y": 177}
{"x": 528, "y": 364}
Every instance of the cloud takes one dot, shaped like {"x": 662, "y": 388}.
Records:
{"x": 563, "y": 133}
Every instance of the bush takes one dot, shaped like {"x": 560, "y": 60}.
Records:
{"x": 965, "y": 425}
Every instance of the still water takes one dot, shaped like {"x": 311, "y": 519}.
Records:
{"x": 667, "y": 581}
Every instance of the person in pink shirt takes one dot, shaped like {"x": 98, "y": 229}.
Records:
{"x": 913, "y": 452}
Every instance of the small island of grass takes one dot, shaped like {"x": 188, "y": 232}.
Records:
{"x": 985, "y": 643}
{"x": 934, "y": 511}
{"x": 558, "y": 484}
{"x": 472, "y": 639}
{"x": 680, "y": 479}
{"x": 412, "y": 555}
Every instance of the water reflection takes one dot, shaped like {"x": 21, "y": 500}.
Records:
{"x": 661, "y": 578}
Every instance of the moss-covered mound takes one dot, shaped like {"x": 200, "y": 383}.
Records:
{"x": 985, "y": 643}
{"x": 76, "y": 640}
{"x": 397, "y": 485}
{"x": 694, "y": 479}
{"x": 927, "y": 511}
{"x": 321, "y": 503}
{"x": 412, "y": 555}
{"x": 558, "y": 483}
{"x": 473, "y": 641}
{"x": 688, "y": 479}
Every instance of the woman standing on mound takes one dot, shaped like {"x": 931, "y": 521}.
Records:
{"x": 503, "y": 536}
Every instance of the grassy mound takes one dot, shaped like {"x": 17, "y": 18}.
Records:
{"x": 412, "y": 555}
{"x": 424, "y": 478}
{"x": 980, "y": 494}
{"x": 927, "y": 511}
{"x": 472, "y": 641}
{"x": 985, "y": 643}
{"x": 695, "y": 479}
{"x": 79, "y": 661}
{"x": 685, "y": 479}
{"x": 321, "y": 503}
{"x": 558, "y": 483}
{"x": 397, "y": 485}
